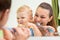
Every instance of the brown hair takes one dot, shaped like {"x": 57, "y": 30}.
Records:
{"x": 5, "y": 4}
{"x": 48, "y": 6}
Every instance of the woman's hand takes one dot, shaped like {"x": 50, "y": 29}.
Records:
{"x": 7, "y": 34}
{"x": 21, "y": 33}
{"x": 49, "y": 30}
{"x": 37, "y": 32}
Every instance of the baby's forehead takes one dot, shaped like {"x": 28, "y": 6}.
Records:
{"x": 24, "y": 10}
{"x": 22, "y": 13}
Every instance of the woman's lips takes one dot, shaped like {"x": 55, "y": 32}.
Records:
{"x": 38, "y": 22}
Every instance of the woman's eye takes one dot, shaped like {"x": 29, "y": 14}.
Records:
{"x": 42, "y": 17}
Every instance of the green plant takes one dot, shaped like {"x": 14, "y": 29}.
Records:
{"x": 55, "y": 10}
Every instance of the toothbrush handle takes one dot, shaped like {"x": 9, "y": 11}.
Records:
{"x": 32, "y": 32}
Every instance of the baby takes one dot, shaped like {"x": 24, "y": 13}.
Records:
{"x": 24, "y": 18}
{"x": 24, "y": 15}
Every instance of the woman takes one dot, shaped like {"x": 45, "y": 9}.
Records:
{"x": 44, "y": 16}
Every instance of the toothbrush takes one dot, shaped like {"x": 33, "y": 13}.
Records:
{"x": 49, "y": 29}
{"x": 39, "y": 25}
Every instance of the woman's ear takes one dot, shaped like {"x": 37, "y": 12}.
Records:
{"x": 5, "y": 14}
{"x": 50, "y": 18}
{"x": 7, "y": 11}
{"x": 4, "y": 17}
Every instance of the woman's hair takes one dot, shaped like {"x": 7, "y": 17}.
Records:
{"x": 48, "y": 6}
{"x": 5, "y": 4}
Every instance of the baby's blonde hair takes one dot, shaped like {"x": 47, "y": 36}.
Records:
{"x": 25, "y": 8}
